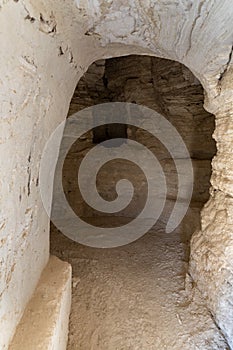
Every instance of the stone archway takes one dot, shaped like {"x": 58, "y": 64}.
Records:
{"x": 169, "y": 87}
{"x": 42, "y": 62}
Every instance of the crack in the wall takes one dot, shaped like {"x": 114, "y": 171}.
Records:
{"x": 29, "y": 182}
{"x": 92, "y": 32}
{"x": 28, "y": 64}
{"x": 71, "y": 57}
{"x": 37, "y": 181}
{"x": 26, "y": 10}
{"x": 48, "y": 26}
{"x": 226, "y": 66}
{"x": 29, "y": 175}
{"x": 199, "y": 10}
{"x": 30, "y": 18}
{"x": 61, "y": 52}
{"x": 68, "y": 53}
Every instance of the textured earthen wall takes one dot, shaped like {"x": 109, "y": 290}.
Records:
{"x": 47, "y": 46}
{"x": 211, "y": 248}
{"x": 167, "y": 87}
{"x": 34, "y": 99}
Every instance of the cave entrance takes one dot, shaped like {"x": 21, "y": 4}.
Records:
{"x": 134, "y": 296}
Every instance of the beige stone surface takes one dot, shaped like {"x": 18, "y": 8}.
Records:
{"x": 137, "y": 296}
{"x": 164, "y": 86}
{"x": 44, "y": 325}
{"x": 46, "y": 47}
{"x": 172, "y": 90}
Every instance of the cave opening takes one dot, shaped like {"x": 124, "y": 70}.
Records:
{"x": 137, "y": 293}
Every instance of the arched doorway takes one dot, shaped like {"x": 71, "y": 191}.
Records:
{"x": 143, "y": 289}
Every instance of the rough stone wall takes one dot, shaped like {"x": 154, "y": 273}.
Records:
{"x": 47, "y": 46}
{"x": 165, "y": 86}
{"x": 34, "y": 99}
{"x": 211, "y": 247}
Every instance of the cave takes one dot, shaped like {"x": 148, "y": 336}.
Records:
{"x": 107, "y": 284}
{"x": 155, "y": 65}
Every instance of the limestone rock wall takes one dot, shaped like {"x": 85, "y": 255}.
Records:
{"x": 165, "y": 86}
{"x": 211, "y": 247}
{"x": 46, "y": 47}
{"x": 34, "y": 99}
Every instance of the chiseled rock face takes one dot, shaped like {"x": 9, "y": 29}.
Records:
{"x": 47, "y": 47}
{"x": 165, "y": 86}
{"x": 212, "y": 256}
{"x": 212, "y": 247}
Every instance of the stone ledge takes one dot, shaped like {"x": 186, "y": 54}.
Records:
{"x": 44, "y": 325}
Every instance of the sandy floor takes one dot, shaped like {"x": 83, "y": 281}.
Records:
{"x": 133, "y": 297}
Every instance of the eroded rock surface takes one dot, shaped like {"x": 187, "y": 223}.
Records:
{"x": 46, "y": 49}
{"x": 135, "y": 297}
{"x": 165, "y": 86}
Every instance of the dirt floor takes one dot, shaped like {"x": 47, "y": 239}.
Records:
{"x": 133, "y": 297}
